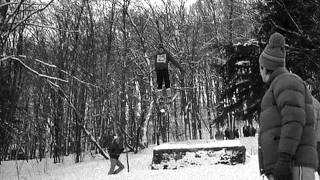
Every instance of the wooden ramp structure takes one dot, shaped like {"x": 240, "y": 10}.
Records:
{"x": 198, "y": 152}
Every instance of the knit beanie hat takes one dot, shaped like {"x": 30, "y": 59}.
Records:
{"x": 160, "y": 45}
{"x": 273, "y": 55}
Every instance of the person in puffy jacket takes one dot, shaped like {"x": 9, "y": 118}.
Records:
{"x": 316, "y": 108}
{"x": 114, "y": 151}
{"x": 287, "y": 142}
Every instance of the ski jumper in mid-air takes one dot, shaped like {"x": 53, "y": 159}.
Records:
{"x": 161, "y": 66}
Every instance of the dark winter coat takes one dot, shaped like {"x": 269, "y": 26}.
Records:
{"x": 162, "y": 59}
{"x": 115, "y": 150}
{"x": 316, "y": 107}
{"x": 286, "y": 122}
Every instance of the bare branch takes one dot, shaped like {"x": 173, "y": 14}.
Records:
{"x": 44, "y": 63}
{"x": 50, "y": 27}
{"x": 138, "y": 32}
{"x": 83, "y": 82}
{"x": 53, "y": 84}
{"x": 23, "y": 3}
{"x": 5, "y": 58}
{"x": 292, "y": 32}
{"x": 32, "y": 70}
{"x": 37, "y": 73}
{"x": 292, "y": 20}
{"x": 31, "y": 14}
{"x": 54, "y": 66}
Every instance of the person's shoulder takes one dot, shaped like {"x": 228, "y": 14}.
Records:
{"x": 289, "y": 81}
{"x": 315, "y": 102}
{"x": 289, "y": 76}
{"x": 316, "y": 106}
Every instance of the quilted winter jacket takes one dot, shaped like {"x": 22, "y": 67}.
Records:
{"x": 316, "y": 106}
{"x": 286, "y": 122}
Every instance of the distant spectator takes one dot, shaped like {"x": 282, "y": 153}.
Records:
{"x": 252, "y": 131}
{"x": 316, "y": 108}
{"x": 219, "y": 135}
{"x": 227, "y": 133}
{"x": 231, "y": 134}
{"x": 246, "y": 129}
{"x": 236, "y": 133}
{"x": 114, "y": 152}
{"x": 56, "y": 153}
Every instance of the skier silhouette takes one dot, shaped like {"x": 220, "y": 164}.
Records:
{"x": 161, "y": 66}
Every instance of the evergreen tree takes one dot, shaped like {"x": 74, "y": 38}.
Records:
{"x": 243, "y": 87}
{"x": 298, "y": 22}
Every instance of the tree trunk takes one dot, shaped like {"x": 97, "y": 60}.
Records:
{"x": 123, "y": 103}
{"x": 209, "y": 102}
{"x": 103, "y": 153}
{"x": 78, "y": 128}
{"x": 145, "y": 125}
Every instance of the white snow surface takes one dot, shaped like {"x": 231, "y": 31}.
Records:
{"x": 139, "y": 168}
{"x": 199, "y": 144}
{"x": 241, "y": 63}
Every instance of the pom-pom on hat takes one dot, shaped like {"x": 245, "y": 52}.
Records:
{"x": 273, "y": 56}
{"x": 160, "y": 45}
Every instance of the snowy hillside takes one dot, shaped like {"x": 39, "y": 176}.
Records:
{"x": 139, "y": 164}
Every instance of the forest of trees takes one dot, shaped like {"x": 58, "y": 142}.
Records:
{"x": 75, "y": 72}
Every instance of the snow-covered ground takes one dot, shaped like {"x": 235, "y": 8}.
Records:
{"x": 139, "y": 166}
{"x": 199, "y": 144}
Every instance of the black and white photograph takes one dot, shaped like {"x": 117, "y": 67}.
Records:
{"x": 159, "y": 89}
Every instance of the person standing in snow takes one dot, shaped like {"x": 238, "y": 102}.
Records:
{"x": 162, "y": 71}
{"x": 287, "y": 142}
{"x": 114, "y": 152}
{"x": 316, "y": 108}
